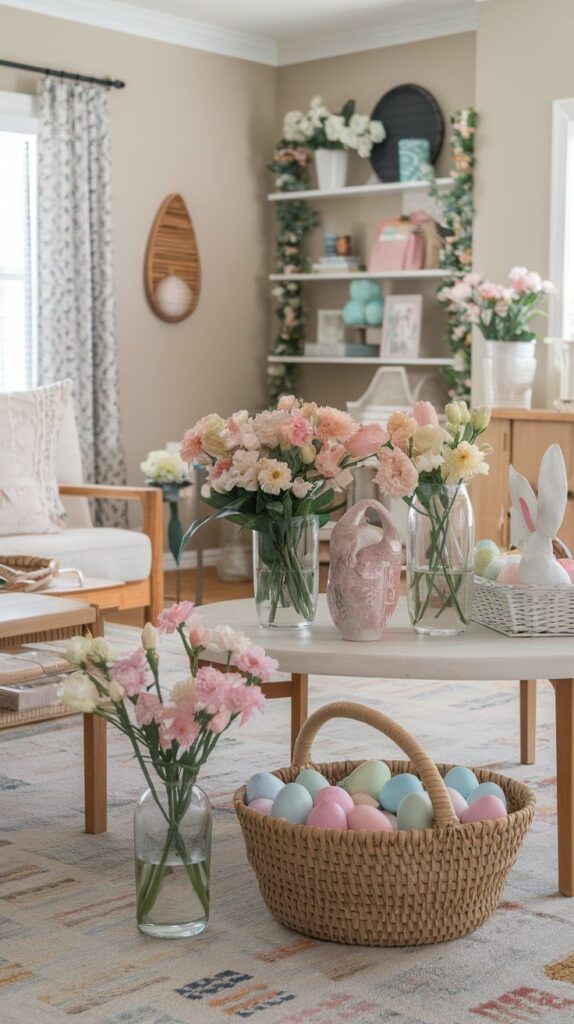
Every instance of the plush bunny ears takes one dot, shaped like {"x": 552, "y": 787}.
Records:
{"x": 544, "y": 514}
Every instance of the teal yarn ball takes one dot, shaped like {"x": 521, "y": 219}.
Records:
{"x": 354, "y": 312}
{"x": 364, "y": 291}
{"x": 374, "y": 312}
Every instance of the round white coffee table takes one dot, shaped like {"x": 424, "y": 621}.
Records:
{"x": 478, "y": 654}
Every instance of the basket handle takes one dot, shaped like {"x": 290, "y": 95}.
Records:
{"x": 429, "y": 773}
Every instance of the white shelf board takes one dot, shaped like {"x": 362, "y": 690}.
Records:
{"x": 388, "y": 275}
{"x": 380, "y": 188}
{"x": 362, "y": 360}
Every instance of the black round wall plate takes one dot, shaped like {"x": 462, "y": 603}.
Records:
{"x": 407, "y": 112}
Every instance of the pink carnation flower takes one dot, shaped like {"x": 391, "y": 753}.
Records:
{"x": 296, "y": 431}
{"x": 210, "y": 684}
{"x": 367, "y": 441}
{"x": 254, "y": 662}
{"x": 179, "y": 725}
{"x": 287, "y": 402}
{"x": 396, "y": 476}
{"x": 425, "y": 414}
{"x": 199, "y": 635}
{"x": 334, "y": 424}
{"x": 329, "y": 458}
{"x": 170, "y": 618}
{"x": 131, "y": 672}
{"x": 191, "y": 448}
{"x": 243, "y": 700}
{"x": 148, "y": 709}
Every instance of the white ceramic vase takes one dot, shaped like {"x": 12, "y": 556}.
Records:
{"x": 509, "y": 371}
{"x": 331, "y": 167}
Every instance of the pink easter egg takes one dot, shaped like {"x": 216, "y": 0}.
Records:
{"x": 369, "y": 819}
{"x": 392, "y": 818}
{"x": 509, "y": 574}
{"x": 327, "y": 814}
{"x": 336, "y": 795}
{"x": 486, "y": 809}
{"x": 364, "y": 799}
{"x": 261, "y": 804}
{"x": 568, "y": 564}
{"x": 458, "y": 802}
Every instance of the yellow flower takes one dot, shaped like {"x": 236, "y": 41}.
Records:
{"x": 214, "y": 436}
{"x": 480, "y": 418}
{"x": 78, "y": 692}
{"x": 463, "y": 463}
{"x": 274, "y": 476}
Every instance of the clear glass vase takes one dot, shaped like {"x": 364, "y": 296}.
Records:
{"x": 440, "y": 554}
{"x": 172, "y": 846}
{"x": 286, "y": 572}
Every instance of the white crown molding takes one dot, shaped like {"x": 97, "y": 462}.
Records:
{"x": 166, "y": 28}
{"x": 430, "y": 20}
{"x": 427, "y": 23}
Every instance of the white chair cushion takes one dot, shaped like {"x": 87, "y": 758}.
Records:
{"x": 108, "y": 553}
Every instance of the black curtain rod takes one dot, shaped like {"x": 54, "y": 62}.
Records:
{"x": 110, "y": 83}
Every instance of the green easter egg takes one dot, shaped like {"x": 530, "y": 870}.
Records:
{"x": 369, "y": 777}
{"x": 374, "y": 312}
{"x": 354, "y": 312}
{"x": 487, "y": 545}
{"x": 364, "y": 291}
{"x": 482, "y": 559}
{"x": 494, "y": 568}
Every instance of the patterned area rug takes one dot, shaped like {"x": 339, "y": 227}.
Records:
{"x": 69, "y": 947}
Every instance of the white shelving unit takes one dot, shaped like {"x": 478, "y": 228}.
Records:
{"x": 365, "y": 275}
{"x": 377, "y": 189}
{"x": 362, "y": 360}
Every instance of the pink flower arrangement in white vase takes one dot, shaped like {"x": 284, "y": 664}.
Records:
{"x": 172, "y": 735}
{"x": 503, "y": 314}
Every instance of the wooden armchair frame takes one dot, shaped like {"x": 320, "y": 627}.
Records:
{"x": 147, "y": 593}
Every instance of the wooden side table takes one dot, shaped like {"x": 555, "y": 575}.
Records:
{"x": 36, "y": 618}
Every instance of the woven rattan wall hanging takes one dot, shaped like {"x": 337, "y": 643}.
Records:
{"x": 172, "y": 268}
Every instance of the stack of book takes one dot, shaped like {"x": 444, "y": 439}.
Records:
{"x": 29, "y": 678}
{"x": 337, "y": 265}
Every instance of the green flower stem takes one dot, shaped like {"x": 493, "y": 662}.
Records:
{"x": 437, "y": 563}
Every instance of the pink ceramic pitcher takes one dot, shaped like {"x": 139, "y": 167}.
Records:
{"x": 364, "y": 572}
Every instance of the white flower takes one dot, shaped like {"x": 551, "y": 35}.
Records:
{"x": 224, "y": 638}
{"x": 317, "y": 102}
{"x": 307, "y": 454}
{"x": 463, "y": 463}
{"x": 377, "y": 131}
{"x": 245, "y": 469}
{"x": 100, "y": 650}
{"x": 149, "y": 637}
{"x": 274, "y": 476}
{"x": 77, "y": 651}
{"x": 333, "y": 127}
{"x": 359, "y": 123}
{"x": 205, "y": 491}
{"x": 78, "y": 692}
{"x": 116, "y": 691}
{"x": 301, "y": 487}
{"x": 164, "y": 467}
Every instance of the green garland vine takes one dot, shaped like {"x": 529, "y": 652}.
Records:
{"x": 456, "y": 254}
{"x": 296, "y": 218}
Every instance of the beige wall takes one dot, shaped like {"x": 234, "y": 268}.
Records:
{"x": 446, "y": 67}
{"x": 523, "y": 62}
{"x": 188, "y": 122}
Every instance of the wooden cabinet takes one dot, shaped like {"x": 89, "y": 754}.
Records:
{"x": 520, "y": 437}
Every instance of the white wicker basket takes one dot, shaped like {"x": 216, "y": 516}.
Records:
{"x": 523, "y": 610}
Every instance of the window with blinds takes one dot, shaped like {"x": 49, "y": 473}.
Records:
{"x": 17, "y": 260}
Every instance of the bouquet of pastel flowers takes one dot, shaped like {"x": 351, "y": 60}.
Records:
{"x": 501, "y": 312}
{"x": 172, "y": 734}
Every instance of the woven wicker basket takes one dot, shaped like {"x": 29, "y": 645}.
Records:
{"x": 523, "y": 610}
{"x": 26, "y": 572}
{"x": 384, "y": 888}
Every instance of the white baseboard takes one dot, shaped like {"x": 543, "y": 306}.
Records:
{"x": 189, "y": 560}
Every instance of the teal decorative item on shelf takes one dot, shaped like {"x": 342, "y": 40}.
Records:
{"x": 365, "y": 307}
{"x": 414, "y": 158}
{"x": 374, "y": 313}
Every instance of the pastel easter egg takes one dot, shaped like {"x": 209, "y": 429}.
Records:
{"x": 354, "y": 313}
{"x": 461, "y": 779}
{"x": 312, "y": 780}
{"x": 263, "y": 784}
{"x": 568, "y": 564}
{"x": 397, "y": 788}
{"x": 487, "y": 789}
{"x": 392, "y": 818}
{"x": 509, "y": 574}
{"x": 261, "y": 804}
{"x": 365, "y": 291}
{"x": 458, "y": 802}
{"x": 496, "y": 566}
{"x": 374, "y": 312}
{"x": 486, "y": 809}
{"x": 487, "y": 545}
{"x": 369, "y": 777}
{"x": 482, "y": 560}
{"x": 293, "y": 803}
{"x": 364, "y": 799}
{"x": 369, "y": 819}
{"x": 336, "y": 795}
{"x": 328, "y": 815}
{"x": 415, "y": 811}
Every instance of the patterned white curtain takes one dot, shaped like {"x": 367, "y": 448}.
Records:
{"x": 76, "y": 328}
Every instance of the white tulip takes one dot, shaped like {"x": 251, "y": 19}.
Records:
{"x": 78, "y": 692}
{"x": 77, "y": 651}
{"x": 149, "y": 637}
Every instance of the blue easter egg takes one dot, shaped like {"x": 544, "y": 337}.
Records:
{"x": 397, "y": 788}
{"x": 487, "y": 545}
{"x": 263, "y": 784}
{"x": 354, "y": 313}
{"x": 493, "y": 570}
{"x": 461, "y": 779}
{"x": 374, "y": 312}
{"x": 364, "y": 291}
{"x": 415, "y": 811}
{"x": 486, "y": 789}
{"x": 294, "y": 803}
{"x": 312, "y": 780}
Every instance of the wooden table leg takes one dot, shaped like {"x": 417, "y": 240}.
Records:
{"x": 527, "y": 721}
{"x": 95, "y": 774}
{"x": 299, "y": 704}
{"x": 564, "y": 693}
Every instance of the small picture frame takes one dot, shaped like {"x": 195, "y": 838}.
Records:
{"x": 402, "y": 327}
{"x": 330, "y": 327}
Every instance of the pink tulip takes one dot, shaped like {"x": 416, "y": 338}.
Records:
{"x": 425, "y": 414}
{"x": 367, "y": 441}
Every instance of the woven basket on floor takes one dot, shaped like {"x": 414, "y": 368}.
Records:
{"x": 384, "y": 888}
{"x": 517, "y": 610}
